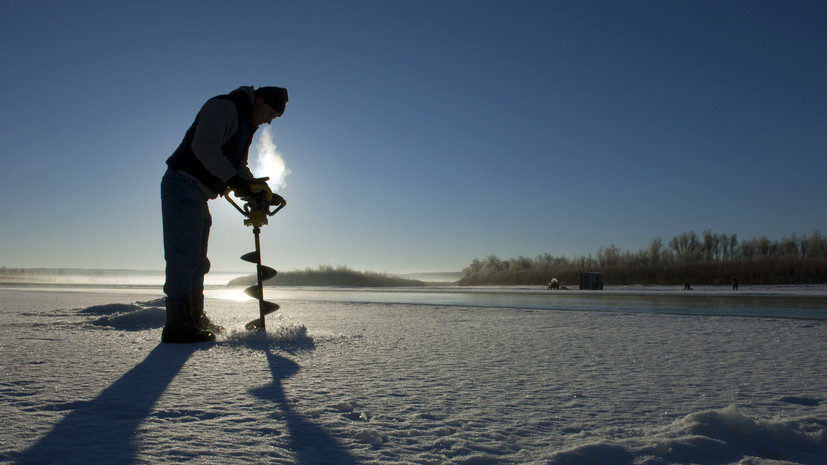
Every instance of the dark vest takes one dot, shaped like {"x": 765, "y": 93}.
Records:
{"x": 235, "y": 149}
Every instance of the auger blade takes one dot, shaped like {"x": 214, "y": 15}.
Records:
{"x": 263, "y": 273}
{"x": 267, "y": 273}
{"x": 254, "y": 292}
{"x": 253, "y": 325}
{"x": 269, "y": 307}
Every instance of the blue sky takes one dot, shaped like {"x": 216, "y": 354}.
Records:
{"x": 420, "y": 135}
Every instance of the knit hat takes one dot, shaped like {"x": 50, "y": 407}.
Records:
{"x": 276, "y": 97}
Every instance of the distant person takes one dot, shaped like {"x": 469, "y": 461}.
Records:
{"x": 554, "y": 284}
{"x": 687, "y": 286}
{"x": 211, "y": 158}
{"x": 734, "y": 284}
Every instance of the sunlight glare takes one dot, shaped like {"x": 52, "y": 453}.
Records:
{"x": 236, "y": 295}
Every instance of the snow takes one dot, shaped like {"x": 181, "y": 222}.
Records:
{"x": 635, "y": 375}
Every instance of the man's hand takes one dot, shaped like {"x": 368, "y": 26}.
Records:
{"x": 246, "y": 189}
{"x": 260, "y": 188}
{"x": 241, "y": 187}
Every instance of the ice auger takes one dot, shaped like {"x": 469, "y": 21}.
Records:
{"x": 256, "y": 211}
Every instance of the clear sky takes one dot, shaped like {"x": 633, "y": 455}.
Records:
{"x": 420, "y": 135}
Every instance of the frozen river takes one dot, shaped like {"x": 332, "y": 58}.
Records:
{"x": 644, "y": 375}
{"x": 804, "y": 302}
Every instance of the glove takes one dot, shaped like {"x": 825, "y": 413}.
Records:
{"x": 260, "y": 188}
{"x": 241, "y": 187}
{"x": 245, "y": 189}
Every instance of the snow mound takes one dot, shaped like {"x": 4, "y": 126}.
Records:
{"x": 137, "y": 320}
{"x": 726, "y": 435}
{"x": 129, "y": 317}
{"x": 109, "y": 309}
{"x": 370, "y": 437}
{"x": 728, "y": 432}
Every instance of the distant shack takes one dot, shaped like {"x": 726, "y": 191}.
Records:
{"x": 592, "y": 281}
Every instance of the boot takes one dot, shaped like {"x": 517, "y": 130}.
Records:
{"x": 200, "y": 318}
{"x": 180, "y": 327}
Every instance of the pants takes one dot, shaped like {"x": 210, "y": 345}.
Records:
{"x": 187, "y": 222}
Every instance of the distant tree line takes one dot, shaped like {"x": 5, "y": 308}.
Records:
{"x": 330, "y": 276}
{"x": 708, "y": 258}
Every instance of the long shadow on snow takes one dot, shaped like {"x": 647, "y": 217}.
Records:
{"x": 102, "y": 430}
{"x": 310, "y": 442}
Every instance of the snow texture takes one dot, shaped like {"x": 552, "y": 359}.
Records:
{"x": 630, "y": 376}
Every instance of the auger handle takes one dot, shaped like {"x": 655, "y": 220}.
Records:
{"x": 279, "y": 202}
{"x": 232, "y": 202}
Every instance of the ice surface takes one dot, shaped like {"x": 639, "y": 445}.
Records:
{"x": 427, "y": 379}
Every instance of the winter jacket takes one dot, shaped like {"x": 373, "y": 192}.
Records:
{"x": 215, "y": 148}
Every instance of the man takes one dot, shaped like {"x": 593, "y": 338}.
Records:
{"x": 211, "y": 158}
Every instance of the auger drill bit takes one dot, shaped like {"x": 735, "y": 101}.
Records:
{"x": 256, "y": 210}
{"x": 263, "y": 273}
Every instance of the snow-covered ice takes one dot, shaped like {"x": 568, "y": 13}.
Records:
{"x": 481, "y": 376}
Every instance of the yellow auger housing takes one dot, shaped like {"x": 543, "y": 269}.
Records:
{"x": 256, "y": 211}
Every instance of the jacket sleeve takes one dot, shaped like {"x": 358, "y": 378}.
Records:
{"x": 245, "y": 173}
{"x": 217, "y": 122}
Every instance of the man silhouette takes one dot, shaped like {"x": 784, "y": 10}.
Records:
{"x": 211, "y": 158}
